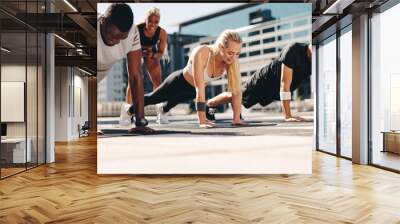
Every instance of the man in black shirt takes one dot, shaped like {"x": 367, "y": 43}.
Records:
{"x": 275, "y": 81}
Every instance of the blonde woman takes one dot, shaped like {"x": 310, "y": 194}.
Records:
{"x": 153, "y": 39}
{"x": 206, "y": 63}
{"x": 275, "y": 81}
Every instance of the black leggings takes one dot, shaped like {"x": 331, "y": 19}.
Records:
{"x": 173, "y": 90}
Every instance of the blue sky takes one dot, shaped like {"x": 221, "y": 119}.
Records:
{"x": 180, "y": 11}
{"x": 174, "y": 13}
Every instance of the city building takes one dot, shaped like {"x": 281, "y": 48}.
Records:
{"x": 109, "y": 89}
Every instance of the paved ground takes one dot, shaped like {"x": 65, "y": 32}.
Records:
{"x": 259, "y": 123}
{"x": 266, "y": 146}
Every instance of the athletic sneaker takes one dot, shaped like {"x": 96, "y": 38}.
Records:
{"x": 210, "y": 113}
{"x": 150, "y": 110}
{"x": 125, "y": 118}
{"x": 161, "y": 116}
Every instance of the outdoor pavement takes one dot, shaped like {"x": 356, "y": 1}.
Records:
{"x": 259, "y": 123}
{"x": 266, "y": 145}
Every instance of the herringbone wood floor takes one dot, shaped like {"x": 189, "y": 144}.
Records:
{"x": 69, "y": 191}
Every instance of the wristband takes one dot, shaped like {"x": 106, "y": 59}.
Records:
{"x": 285, "y": 95}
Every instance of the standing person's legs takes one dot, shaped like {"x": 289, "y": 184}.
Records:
{"x": 153, "y": 67}
{"x": 129, "y": 99}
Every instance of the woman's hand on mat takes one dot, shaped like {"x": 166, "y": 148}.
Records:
{"x": 294, "y": 119}
{"x": 210, "y": 122}
{"x": 207, "y": 124}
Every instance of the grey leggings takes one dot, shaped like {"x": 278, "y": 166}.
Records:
{"x": 173, "y": 90}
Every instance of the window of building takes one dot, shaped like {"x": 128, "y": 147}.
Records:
{"x": 269, "y": 50}
{"x": 268, "y": 40}
{"x": 268, "y": 30}
{"x": 327, "y": 95}
{"x": 346, "y": 93}
{"x": 385, "y": 89}
{"x": 254, "y": 33}
{"x": 256, "y": 42}
{"x": 254, "y": 53}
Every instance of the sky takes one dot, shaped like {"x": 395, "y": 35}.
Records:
{"x": 181, "y": 12}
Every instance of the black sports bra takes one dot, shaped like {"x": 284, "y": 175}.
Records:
{"x": 146, "y": 41}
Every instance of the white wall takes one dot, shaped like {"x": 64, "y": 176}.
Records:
{"x": 69, "y": 85}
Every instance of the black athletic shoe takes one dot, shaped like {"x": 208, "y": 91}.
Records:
{"x": 131, "y": 110}
{"x": 210, "y": 113}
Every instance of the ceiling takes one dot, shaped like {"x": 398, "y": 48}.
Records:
{"x": 72, "y": 20}
{"x": 328, "y": 15}
{"x": 75, "y": 22}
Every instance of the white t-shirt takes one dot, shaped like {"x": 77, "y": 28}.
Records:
{"x": 107, "y": 56}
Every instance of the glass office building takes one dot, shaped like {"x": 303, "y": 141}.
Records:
{"x": 241, "y": 16}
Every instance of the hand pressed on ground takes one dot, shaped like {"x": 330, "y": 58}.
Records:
{"x": 142, "y": 130}
{"x": 294, "y": 119}
{"x": 207, "y": 124}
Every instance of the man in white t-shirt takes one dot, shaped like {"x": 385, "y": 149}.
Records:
{"x": 117, "y": 38}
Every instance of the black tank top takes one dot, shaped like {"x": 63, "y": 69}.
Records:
{"x": 146, "y": 41}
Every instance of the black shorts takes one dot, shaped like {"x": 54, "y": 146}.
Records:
{"x": 262, "y": 87}
{"x": 251, "y": 98}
